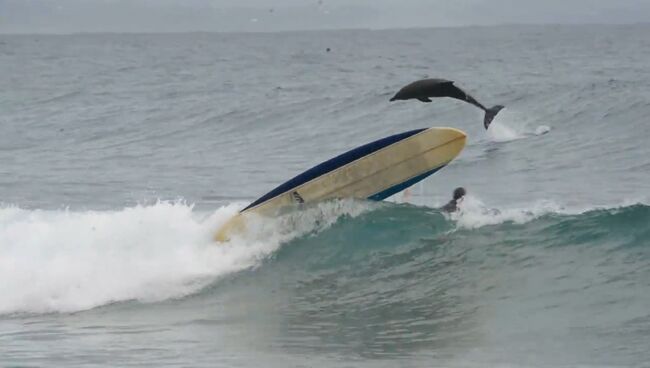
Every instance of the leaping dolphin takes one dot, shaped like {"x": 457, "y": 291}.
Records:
{"x": 425, "y": 88}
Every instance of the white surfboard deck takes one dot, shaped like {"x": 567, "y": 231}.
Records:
{"x": 373, "y": 171}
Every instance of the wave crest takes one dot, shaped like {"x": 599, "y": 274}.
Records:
{"x": 64, "y": 261}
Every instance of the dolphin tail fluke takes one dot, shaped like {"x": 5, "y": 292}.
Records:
{"x": 490, "y": 114}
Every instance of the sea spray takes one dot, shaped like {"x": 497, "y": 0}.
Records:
{"x": 64, "y": 261}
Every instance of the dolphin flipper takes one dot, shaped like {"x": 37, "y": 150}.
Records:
{"x": 424, "y": 99}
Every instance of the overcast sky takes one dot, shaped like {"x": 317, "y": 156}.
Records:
{"x": 64, "y": 16}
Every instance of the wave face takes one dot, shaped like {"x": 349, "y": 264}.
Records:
{"x": 402, "y": 279}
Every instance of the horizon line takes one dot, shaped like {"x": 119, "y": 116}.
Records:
{"x": 324, "y": 29}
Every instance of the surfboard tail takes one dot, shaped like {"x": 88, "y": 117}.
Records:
{"x": 236, "y": 225}
{"x": 490, "y": 114}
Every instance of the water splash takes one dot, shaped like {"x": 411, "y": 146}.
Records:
{"x": 511, "y": 125}
{"x": 64, "y": 261}
{"x": 473, "y": 213}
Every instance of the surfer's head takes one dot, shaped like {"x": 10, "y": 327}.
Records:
{"x": 459, "y": 193}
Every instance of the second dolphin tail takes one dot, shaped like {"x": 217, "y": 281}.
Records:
{"x": 490, "y": 114}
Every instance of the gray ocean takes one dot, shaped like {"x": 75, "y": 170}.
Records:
{"x": 121, "y": 154}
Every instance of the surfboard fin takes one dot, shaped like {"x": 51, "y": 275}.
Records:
{"x": 490, "y": 114}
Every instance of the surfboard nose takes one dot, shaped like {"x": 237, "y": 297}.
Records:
{"x": 451, "y": 140}
{"x": 456, "y": 133}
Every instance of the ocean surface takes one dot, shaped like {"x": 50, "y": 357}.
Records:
{"x": 120, "y": 154}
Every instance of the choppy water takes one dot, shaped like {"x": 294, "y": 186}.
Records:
{"x": 120, "y": 155}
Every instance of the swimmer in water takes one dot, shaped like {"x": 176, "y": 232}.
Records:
{"x": 452, "y": 206}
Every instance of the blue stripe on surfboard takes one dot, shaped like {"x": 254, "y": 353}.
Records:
{"x": 333, "y": 164}
{"x": 400, "y": 187}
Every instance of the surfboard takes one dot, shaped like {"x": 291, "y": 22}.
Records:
{"x": 374, "y": 171}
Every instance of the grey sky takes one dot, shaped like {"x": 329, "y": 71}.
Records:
{"x": 63, "y": 16}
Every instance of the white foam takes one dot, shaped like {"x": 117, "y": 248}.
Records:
{"x": 309, "y": 219}
{"x": 473, "y": 213}
{"x": 510, "y": 125}
{"x": 500, "y": 132}
{"x": 63, "y": 261}
{"x": 542, "y": 129}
